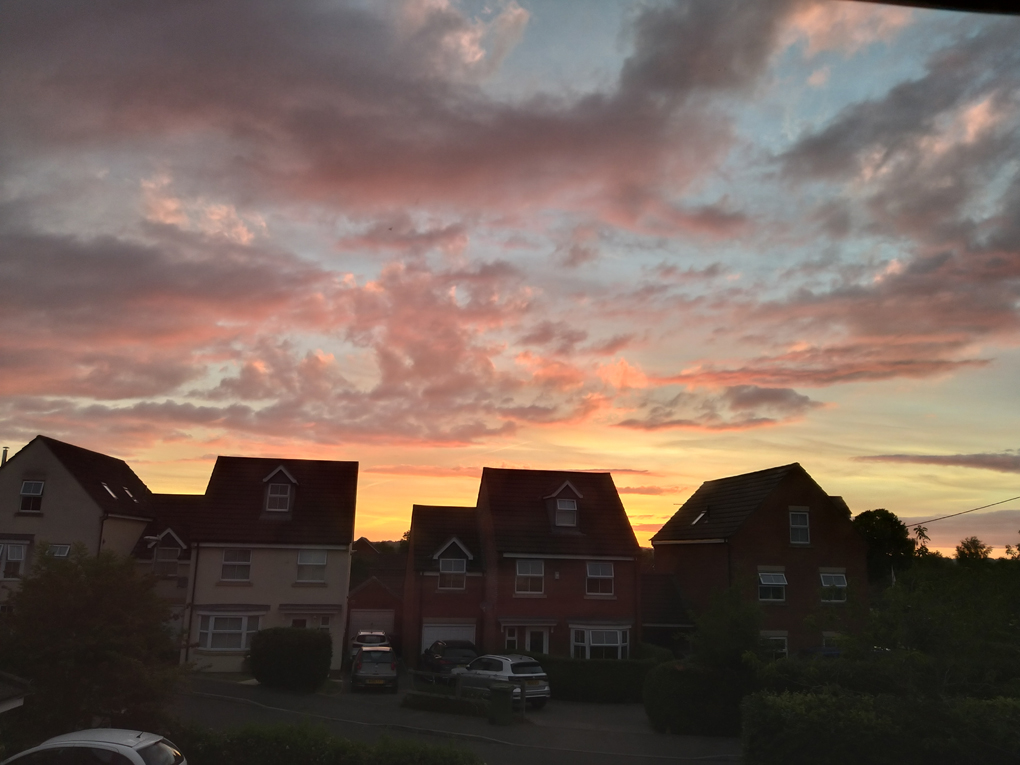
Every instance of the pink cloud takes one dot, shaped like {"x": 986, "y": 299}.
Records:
{"x": 1004, "y": 462}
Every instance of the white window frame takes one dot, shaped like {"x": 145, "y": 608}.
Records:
{"x": 276, "y": 498}
{"x": 833, "y": 585}
{"x": 108, "y": 489}
{"x": 12, "y": 552}
{"x": 510, "y": 642}
{"x": 249, "y": 624}
{"x": 700, "y": 516}
{"x": 599, "y": 572}
{"x": 798, "y": 530}
{"x": 323, "y": 622}
{"x": 452, "y": 573}
{"x": 528, "y": 571}
{"x": 161, "y": 562}
{"x": 771, "y": 580}
{"x": 238, "y": 559}
{"x": 59, "y": 551}
{"x": 311, "y": 565}
{"x": 584, "y": 640}
{"x": 780, "y": 645}
{"x": 32, "y": 491}
{"x": 566, "y": 512}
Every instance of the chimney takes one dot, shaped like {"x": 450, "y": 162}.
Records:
{"x": 3, "y": 461}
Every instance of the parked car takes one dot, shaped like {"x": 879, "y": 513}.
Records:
{"x": 102, "y": 746}
{"x": 444, "y": 655}
{"x": 374, "y": 666}
{"x": 521, "y": 671}
{"x": 366, "y": 638}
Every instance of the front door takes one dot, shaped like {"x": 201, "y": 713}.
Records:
{"x": 537, "y": 640}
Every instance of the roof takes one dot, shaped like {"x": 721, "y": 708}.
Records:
{"x": 174, "y": 512}
{"x": 233, "y": 509}
{"x": 726, "y": 503}
{"x": 432, "y": 526}
{"x": 662, "y": 602}
{"x": 517, "y": 503}
{"x": 93, "y": 469}
{"x": 387, "y": 568}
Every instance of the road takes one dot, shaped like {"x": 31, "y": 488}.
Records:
{"x": 562, "y": 733}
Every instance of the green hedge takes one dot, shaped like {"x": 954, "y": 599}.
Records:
{"x": 695, "y": 700}
{"x": 291, "y": 658}
{"x": 602, "y": 680}
{"x": 849, "y": 729}
{"x": 276, "y": 744}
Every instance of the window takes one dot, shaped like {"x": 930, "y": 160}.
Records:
{"x": 130, "y": 496}
{"x": 12, "y": 559}
{"x": 511, "y": 638}
{"x": 109, "y": 490}
{"x": 226, "y": 633}
{"x": 324, "y": 622}
{"x": 452, "y": 573}
{"x": 566, "y": 512}
{"x": 530, "y": 577}
{"x": 31, "y": 496}
{"x": 800, "y": 532}
{"x": 236, "y": 565}
{"x": 299, "y": 623}
{"x": 777, "y": 645}
{"x": 59, "y": 551}
{"x": 165, "y": 561}
{"x": 833, "y": 588}
{"x": 700, "y": 516}
{"x": 278, "y": 498}
{"x": 311, "y": 565}
{"x": 601, "y": 644}
{"x": 772, "y": 587}
{"x": 600, "y": 579}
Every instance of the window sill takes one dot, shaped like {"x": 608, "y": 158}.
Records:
{"x": 599, "y": 596}
{"x": 222, "y": 651}
{"x": 233, "y": 583}
{"x": 529, "y": 594}
{"x": 801, "y": 544}
{"x": 772, "y": 602}
{"x": 308, "y": 584}
{"x": 451, "y": 590}
{"x": 29, "y": 513}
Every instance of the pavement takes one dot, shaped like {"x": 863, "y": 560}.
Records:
{"x": 563, "y": 732}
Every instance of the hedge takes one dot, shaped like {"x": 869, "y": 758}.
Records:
{"x": 291, "y": 658}
{"x": 275, "y": 744}
{"x": 848, "y": 729}
{"x": 694, "y": 700}
{"x": 602, "y": 680}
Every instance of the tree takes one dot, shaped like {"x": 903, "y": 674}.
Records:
{"x": 889, "y": 544}
{"x": 727, "y": 630}
{"x": 972, "y": 549}
{"x": 92, "y": 636}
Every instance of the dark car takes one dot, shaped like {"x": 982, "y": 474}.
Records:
{"x": 444, "y": 655}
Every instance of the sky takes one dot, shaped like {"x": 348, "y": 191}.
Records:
{"x": 673, "y": 240}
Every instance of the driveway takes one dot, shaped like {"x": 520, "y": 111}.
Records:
{"x": 562, "y": 732}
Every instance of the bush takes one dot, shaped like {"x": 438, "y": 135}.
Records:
{"x": 271, "y": 745}
{"x": 607, "y": 681}
{"x": 291, "y": 658}
{"x": 694, "y": 700}
{"x": 847, "y": 729}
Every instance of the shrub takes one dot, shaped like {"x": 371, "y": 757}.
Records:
{"x": 274, "y": 744}
{"x": 695, "y": 700}
{"x": 847, "y": 729}
{"x": 608, "y": 681}
{"x": 291, "y": 658}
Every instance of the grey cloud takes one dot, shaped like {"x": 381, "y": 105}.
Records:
{"x": 1002, "y": 462}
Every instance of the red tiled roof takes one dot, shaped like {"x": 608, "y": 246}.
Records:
{"x": 521, "y": 521}
{"x": 434, "y": 525}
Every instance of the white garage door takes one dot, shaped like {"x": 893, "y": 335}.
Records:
{"x": 430, "y": 633}
{"x": 369, "y": 619}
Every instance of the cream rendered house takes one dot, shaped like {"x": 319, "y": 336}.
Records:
{"x": 61, "y": 494}
{"x": 268, "y": 545}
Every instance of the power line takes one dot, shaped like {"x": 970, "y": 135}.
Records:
{"x": 942, "y": 518}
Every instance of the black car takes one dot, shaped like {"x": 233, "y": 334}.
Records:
{"x": 443, "y": 655}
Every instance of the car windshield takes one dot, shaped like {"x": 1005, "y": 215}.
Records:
{"x": 371, "y": 639}
{"x": 377, "y": 657}
{"x": 459, "y": 654}
{"x": 527, "y": 668}
{"x": 161, "y": 753}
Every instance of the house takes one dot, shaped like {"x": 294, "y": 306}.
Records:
{"x": 546, "y": 561}
{"x": 267, "y": 545}
{"x": 376, "y": 597}
{"x": 781, "y": 540}
{"x": 62, "y": 494}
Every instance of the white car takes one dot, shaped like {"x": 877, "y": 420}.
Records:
{"x": 367, "y": 639}
{"x": 102, "y": 746}
{"x": 521, "y": 671}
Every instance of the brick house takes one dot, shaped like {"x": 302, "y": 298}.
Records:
{"x": 267, "y": 545}
{"x": 61, "y": 494}
{"x": 546, "y": 561}
{"x": 376, "y": 597}
{"x": 779, "y": 538}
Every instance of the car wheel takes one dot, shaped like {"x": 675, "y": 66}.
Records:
{"x": 538, "y": 703}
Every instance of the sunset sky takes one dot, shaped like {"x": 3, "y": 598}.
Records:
{"x": 676, "y": 241}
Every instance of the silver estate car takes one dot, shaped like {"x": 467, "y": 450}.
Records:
{"x": 521, "y": 671}
{"x": 102, "y": 746}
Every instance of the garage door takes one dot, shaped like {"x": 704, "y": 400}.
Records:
{"x": 372, "y": 619}
{"x": 430, "y": 633}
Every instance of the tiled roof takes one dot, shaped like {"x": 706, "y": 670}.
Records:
{"x": 726, "y": 502}
{"x": 433, "y": 525}
{"x": 662, "y": 602}
{"x": 521, "y": 521}
{"x": 92, "y": 470}
{"x": 322, "y": 509}
{"x": 388, "y": 568}
{"x": 171, "y": 511}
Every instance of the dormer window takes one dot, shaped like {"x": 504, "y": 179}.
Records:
{"x": 566, "y": 512}
{"x": 31, "y": 496}
{"x": 278, "y": 498}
